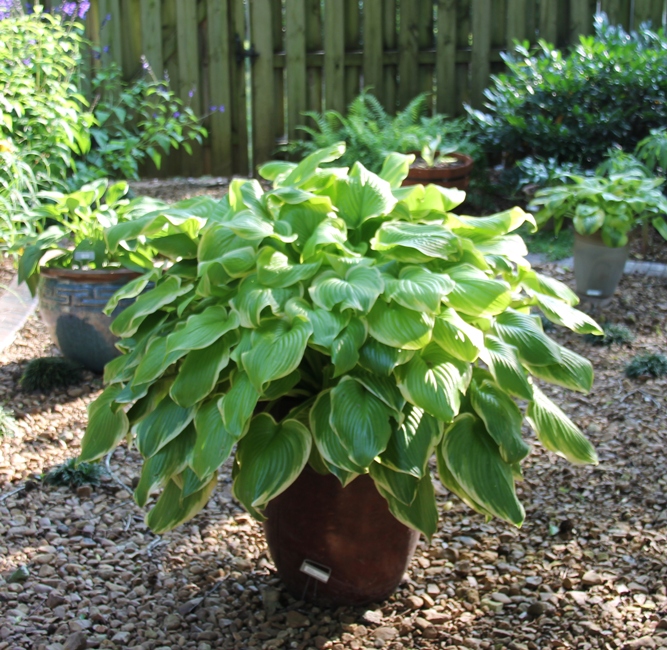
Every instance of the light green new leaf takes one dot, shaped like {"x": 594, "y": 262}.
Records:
{"x": 277, "y": 350}
{"x": 573, "y": 372}
{"x": 412, "y": 443}
{"x": 400, "y": 327}
{"x": 475, "y": 293}
{"x": 250, "y": 226}
{"x": 538, "y": 283}
{"x": 330, "y": 231}
{"x": 106, "y": 426}
{"x": 161, "y": 425}
{"x": 270, "y": 457}
{"x": 361, "y": 421}
{"x": 199, "y": 373}
{"x": 502, "y": 419}
{"x": 306, "y": 168}
{"x": 213, "y": 443}
{"x": 326, "y": 439}
{"x": 416, "y": 243}
{"x": 494, "y": 225}
{"x": 345, "y": 348}
{"x": 474, "y": 460}
{"x": 275, "y": 270}
{"x": 458, "y": 338}
{"x": 204, "y": 329}
{"x": 525, "y": 333}
{"x": 380, "y": 358}
{"x": 562, "y": 314}
{"x": 557, "y": 432}
{"x": 358, "y": 290}
{"x": 238, "y": 263}
{"x": 252, "y": 298}
{"x": 421, "y": 514}
{"x": 238, "y": 404}
{"x": 417, "y": 288}
{"x": 503, "y": 362}
{"x": 434, "y": 381}
{"x": 172, "y": 508}
{"x": 588, "y": 219}
{"x": 362, "y": 196}
{"x": 399, "y": 485}
{"x": 395, "y": 168}
{"x": 171, "y": 460}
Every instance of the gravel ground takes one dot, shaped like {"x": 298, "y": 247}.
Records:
{"x": 587, "y": 570}
{"x": 7, "y": 273}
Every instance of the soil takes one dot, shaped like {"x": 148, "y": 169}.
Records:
{"x": 587, "y": 570}
{"x": 449, "y": 163}
{"x": 7, "y": 273}
{"x": 178, "y": 189}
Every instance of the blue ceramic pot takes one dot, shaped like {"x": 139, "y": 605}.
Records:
{"x": 71, "y": 304}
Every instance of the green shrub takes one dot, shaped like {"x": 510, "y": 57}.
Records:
{"x": 613, "y": 334}
{"x": 612, "y": 88}
{"x": 647, "y": 365}
{"x": 47, "y": 373}
{"x": 73, "y": 475}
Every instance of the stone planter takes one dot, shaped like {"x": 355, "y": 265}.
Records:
{"x": 597, "y": 268}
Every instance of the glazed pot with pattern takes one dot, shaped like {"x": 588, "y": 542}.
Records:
{"x": 71, "y": 303}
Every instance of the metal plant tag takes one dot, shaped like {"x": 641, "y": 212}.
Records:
{"x": 316, "y": 571}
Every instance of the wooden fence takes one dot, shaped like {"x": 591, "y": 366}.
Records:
{"x": 267, "y": 61}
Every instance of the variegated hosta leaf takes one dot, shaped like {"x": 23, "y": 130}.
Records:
{"x": 416, "y": 242}
{"x": 400, "y": 327}
{"x": 412, "y": 443}
{"x": 557, "y": 432}
{"x": 275, "y": 270}
{"x": 395, "y": 168}
{"x": 573, "y": 371}
{"x": 203, "y": 329}
{"x": 345, "y": 348}
{"x": 475, "y": 462}
{"x": 361, "y": 421}
{"x": 417, "y": 288}
{"x": 172, "y": 508}
{"x": 399, "y": 485}
{"x": 238, "y": 404}
{"x": 106, "y": 426}
{"x": 358, "y": 290}
{"x": 132, "y": 289}
{"x": 503, "y": 362}
{"x": 421, "y": 514}
{"x": 434, "y": 381}
{"x": 270, "y": 457}
{"x": 380, "y": 358}
{"x": 562, "y": 314}
{"x": 457, "y": 337}
{"x": 502, "y": 419}
{"x": 330, "y": 231}
{"x": 161, "y": 425}
{"x": 277, "y": 350}
{"x": 252, "y": 298}
{"x": 155, "y": 361}
{"x": 525, "y": 333}
{"x": 383, "y": 388}
{"x": 475, "y": 293}
{"x": 213, "y": 443}
{"x": 497, "y": 224}
{"x": 549, "y": 286}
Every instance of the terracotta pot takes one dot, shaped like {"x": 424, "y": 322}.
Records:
{"x": 597, "y": 268}
{"x": 452, "y": 175}
{"x": 71, "y": 303}
{"x": 346, "y": 536}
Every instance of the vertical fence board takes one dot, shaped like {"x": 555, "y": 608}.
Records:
{"x": 334, "y": 56}
{"x": 220, "y": 136}
{"x": 295, "y": 49}
{"x": 131, "y": 37}
{"x": 111, "y": 41}
{"x": 581, "y": 20}
{"x": 372, "y": 69}
{"x": 618, "y": 11}
{"x": 151, "y": 35}
{"x": 239, "y": 92}
{"x": 263, "y": 109}
{"x": 314, "y": 44}
{"x": 481, "y": 41}
{"x": 498, "y": 32}
{"x": 352, "y": 44}
{"x": 445, "y": 57}
{"x": 648, "y": 10}
{"x": 548, "y": 23}
{"x": 426, "y": 42}
{"x": 390, "y": 40}
{"x": 408, "y": 50}
{"x": 278, "y": 39}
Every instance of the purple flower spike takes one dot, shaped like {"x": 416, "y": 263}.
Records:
{"x": 106, "y": 49}
{"x": 191, "y": 94}
{"x": 177, "y": 113}
{"x": 213, "y": 108}
{"x": 222, "y": 108}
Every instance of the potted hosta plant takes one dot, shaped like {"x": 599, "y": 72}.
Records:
{"x": 71, "y": 269}
{"x": 605, "y": 209}
{"x": 333, "y": 335}
{"x": 441, "y": 165}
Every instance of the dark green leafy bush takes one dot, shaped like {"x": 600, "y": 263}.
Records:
{"x": 47, "y": 373}
{"x": 611, "y": 89}
{"x": 613, "y": 334}
{"x": 647, "y": 365}
{"x": 73, "y": 475}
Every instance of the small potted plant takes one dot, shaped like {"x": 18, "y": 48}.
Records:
{"x": 70, "y": 267}
{"x": 605, "y": 209}
{"x": 441, "y": 165}
{"x": 335, "y": 334}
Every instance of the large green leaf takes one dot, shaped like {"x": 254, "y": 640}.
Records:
{"x": 277, "y": 350}
{"x": 434, "y": 381}
{"x": 412, "y": 443}
{"x": 270, "y": 457}
{"x": 155, "y": 361}
{"x": 275, "y": 270}
{"x": 199, "y": 373}
{"x": 172, "y": 459}
{"x": 502, "y": 419}
{"x": 329, "y": 232}
{"x": 395, "y": 168}
{"x": 421, "y": 514}
{"x": 525, "y": 333}
{"x": 380, "y": 358}
{"x": 326, "y": 439}
{"x": 203, "y": 329}
{"x": 358, "y": 290}
{"x": 572, "y": 372}
{"x": 503, "y": 362}
{"x": 557, "y": 432}
{"x": 416, "y": 242}
{"x": 401, "y": 486}
{"x": 382, "y": 387}
{"x": 306, "y": 168}
{"x": 475, "y": 293}
{"x": 562, "y": 314}
{"x": 497, "y": 224}
{"x": 361, "y": 421}
{"x": 400, "y": 327}
{"x": 457, "y": 337}
{"x": 213, "y": 443}
{"x": 161, "y": 425}
{"x": 131, "y": 290}
{"x": 417, "y": 288}
{"x": 475, "y": 462}
{"x": 106, "y": 426}
{"x": 238, "y": 404}
{"x": 252, "y": 298}
{"x": 362, "y": 196}
{"x": 539, "y": 283}
{"x": 172, "y": 508}
{"x": 345, "y": 347}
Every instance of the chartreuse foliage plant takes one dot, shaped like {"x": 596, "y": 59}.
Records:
{"x": 341, "y": 321}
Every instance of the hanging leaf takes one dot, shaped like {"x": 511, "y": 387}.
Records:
{"x": 417, "y": 288}
{"x": 238, "y": 404}
{"x": 526, "y": 335}
{"x": 106, "y": 426}
{"x": 573, "y": 371}
{"x": 506, "y": 368}
{"x": 400, "y": 327}
{"x": 161, "y": 425}
{"x": 458, "y": 338}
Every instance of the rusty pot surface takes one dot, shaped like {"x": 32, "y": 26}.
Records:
{"x": 453, "y": 175}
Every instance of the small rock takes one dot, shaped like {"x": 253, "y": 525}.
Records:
{"x": 190, "y": 606}
{"x": 432, "y": 589}
{"x": 579, "y": 597}
{"x": 422, "y": 623}
{"x": 414, "y": 602}
{"x": 591, "y": 578}
{"x": 385, "y": 633}
{"x": 467, "y": 541}
{"x": 451, "y": 554}
{"x": 84, "y": 491}
{"x": 534, "y": 581}
{"x": 492, "y": 604}
{"x": 121, "y": 637}
{"x": 501, "y": 598}
{"x": 270, "y": 600}
{"x": 320, "y": 641}
{"x": 372, "y": 616}
{"x": 19, "y": 575}
{"x": 662, "y": 624}
{"x": 297, "y": 619}
{"x": 172, "y": 622}
{"x": 437, "y": 618}
{"x": 75, "y": 391}
{"x": 76, "y": 641}
{"x": 643, "y": 642}
{"x": 537, "y": 609}
{"x": 54, "y": 599}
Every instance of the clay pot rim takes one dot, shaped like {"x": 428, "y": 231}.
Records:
{"x": 463, "y": 160}
{"x": 90, "y": 275}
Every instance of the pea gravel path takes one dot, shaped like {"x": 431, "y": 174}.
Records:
{"x": 587, "y": 570}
